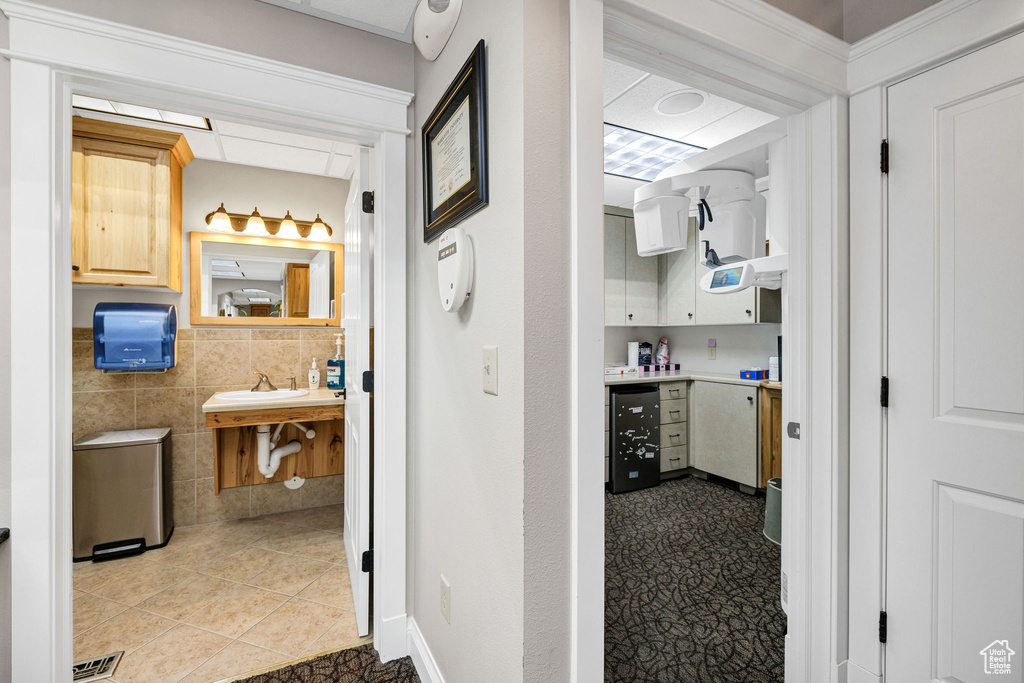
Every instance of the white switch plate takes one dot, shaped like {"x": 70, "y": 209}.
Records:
{"x": 491, "y": 370}
{"x": 446, "y": 599}
{"x": 711, "y": 352}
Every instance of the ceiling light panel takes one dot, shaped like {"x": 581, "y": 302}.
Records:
{"x": 226, "y": 273}
{"x": 221, "y": 263}
{"x": 259, "y": 299}
{"x": 632, "y": 154}
{"x": 138, "y": 112}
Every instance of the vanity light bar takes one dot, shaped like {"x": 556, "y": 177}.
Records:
{"x": 634, "y": 154}
{"x": 316, "y": 230}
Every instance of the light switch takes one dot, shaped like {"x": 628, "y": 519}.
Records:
{"x": 491, "y": 370}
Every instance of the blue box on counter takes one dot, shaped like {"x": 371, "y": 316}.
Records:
{"x": 753, "y": 374}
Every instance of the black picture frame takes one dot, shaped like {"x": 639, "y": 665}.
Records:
{"x": 469, "y": 87}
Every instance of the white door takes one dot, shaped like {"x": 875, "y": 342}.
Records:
{"x": 955, "y": 500}
{"x": 358, "y": 313}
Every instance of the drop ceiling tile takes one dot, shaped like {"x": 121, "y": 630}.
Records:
{"x": 239, "y": 130}
{"x": 618, "y": 78}
{"x": 269, "y": 155}
{"x": 341, "y": 166}
{"x": 390, "y": 15}
{"x": 636, "y": 110}
{"x": 735, "y": 124}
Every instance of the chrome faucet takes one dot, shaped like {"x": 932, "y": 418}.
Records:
{"x": 293, "y": 387}
{"x": 264, "y": 383}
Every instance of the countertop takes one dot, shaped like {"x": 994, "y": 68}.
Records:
{"x": 316, "y": 397}
{"x": 679, "y": 376}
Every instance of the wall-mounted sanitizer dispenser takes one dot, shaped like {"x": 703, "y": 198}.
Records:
{"x": 134, "y": 337}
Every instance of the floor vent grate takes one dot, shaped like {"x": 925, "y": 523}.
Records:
{"x": 95, "y": 669}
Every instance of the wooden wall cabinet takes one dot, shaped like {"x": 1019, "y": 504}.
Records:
{"x": 771, "y": 431}
{"x": 724, "y": 429}
{"x": 126, "y": 204}
{"x": 297, "y": 290}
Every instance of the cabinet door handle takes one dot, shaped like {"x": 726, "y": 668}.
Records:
{"x": 673, "y": 436}
{"x": 630, "y": 316}
{"x": 689, "y": 315}
{"x": 74, "y": 267}
{"x": 750, "y": 398}
{"x": 674, "y": 392}
{"x": 673, "y": 459}
{"x": 748, "y": 311}
{"x": 673, "y": 412}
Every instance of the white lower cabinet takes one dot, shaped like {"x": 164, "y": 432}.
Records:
{"x": 724, "y": 430}
{"x": 673, "y": 451}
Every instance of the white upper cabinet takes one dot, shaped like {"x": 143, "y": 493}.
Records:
{"x": 641, "y": 283}
{"x": 615, "y": 270}
{"x": 677, "y": 303}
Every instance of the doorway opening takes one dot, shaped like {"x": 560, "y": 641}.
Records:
{"x": 692, "y": 579}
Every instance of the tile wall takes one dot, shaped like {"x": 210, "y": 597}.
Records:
{"x": 209, "y": 361}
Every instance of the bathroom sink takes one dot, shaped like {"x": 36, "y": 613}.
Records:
{"x": 247, "y": 395}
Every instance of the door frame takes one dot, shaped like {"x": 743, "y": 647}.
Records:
{"x": 760, "y": 56}
{"x": 939, "y": 34}
{"x": 53, "y": 52}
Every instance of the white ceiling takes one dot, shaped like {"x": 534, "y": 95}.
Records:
{"x": 238, "y": 143}
{"x": 630, "y": 96}
{"x": 390, "y": 18}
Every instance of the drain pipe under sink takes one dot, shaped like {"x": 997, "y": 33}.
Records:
{"x": 269, "y": 459}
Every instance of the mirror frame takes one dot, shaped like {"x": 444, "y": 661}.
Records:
{"x": 196, "y": 240}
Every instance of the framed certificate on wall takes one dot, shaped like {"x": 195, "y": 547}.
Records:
{"x": 455, "y": 150}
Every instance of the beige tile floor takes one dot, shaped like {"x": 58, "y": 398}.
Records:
{"x": 220, "y": 599}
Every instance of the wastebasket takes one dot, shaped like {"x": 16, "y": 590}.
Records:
{"x": 635, "y": 438}
{"x": 121, "y": 483}
{"x": 773, "y": 511}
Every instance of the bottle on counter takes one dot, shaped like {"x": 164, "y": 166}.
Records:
{"x": 314, "y": 377}
{"x": 336, "y": 367}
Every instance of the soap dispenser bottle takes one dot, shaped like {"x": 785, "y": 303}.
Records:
{"x": 336, "y": 367}
{"x": 314, "y": 377}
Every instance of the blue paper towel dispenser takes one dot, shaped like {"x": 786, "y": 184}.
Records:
{"x": 134, "y": 337}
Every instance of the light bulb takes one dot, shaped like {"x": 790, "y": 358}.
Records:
{"x": 219, "y": 220}
{"x": 288, "y": 229}
{"x": 255, "y": 225}
{"x": 319, "y": 232}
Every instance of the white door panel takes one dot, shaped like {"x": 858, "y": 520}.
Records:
{"x": 955, "y": 491}
{"x": 358, "y": 321}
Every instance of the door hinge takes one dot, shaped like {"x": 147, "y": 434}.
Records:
{"x": 884, "y": 394}
{"x": 885, "y": 156}
{"x": 368, "y": 381}
{"x": 368, "y": 202}
{"x": 367, "y": 566}
{"x": 883, "y": 623}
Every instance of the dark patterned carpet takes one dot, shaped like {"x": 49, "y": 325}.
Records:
{"x": 346, "y": 666}
{"x": 691, "y": 587}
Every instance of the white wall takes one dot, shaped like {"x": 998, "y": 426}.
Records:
{"x": 205, "y": 184}
{"x": 261, "y": 29}
{"x": 737, "y": 346}
{"x": 5, "y": 357}
{"x": 474, "y": 457}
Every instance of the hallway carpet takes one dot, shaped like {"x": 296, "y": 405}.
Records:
{"x": 357, "y": 664}
{"x": 691, "y": 587}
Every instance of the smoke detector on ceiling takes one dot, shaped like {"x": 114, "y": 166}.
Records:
{"x": 680, "y": 102}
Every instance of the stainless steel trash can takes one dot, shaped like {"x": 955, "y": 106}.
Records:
{"x": 773, "y": 511}
{"x": 123, "y": 499}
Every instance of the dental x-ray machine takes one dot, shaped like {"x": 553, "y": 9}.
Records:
{"x": 730, "y": 217}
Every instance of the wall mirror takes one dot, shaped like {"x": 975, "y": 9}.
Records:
{"x": 253, "y": 281}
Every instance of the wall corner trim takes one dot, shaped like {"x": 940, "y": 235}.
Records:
{"x": 422, "y": 657}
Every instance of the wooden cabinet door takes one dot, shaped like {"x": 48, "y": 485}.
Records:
{"x": 614, "y": 270}
{"x": 771, "y": 434}
{"x": 298, "y": 290}
{"x": 121, "y": 214}
{"x": 641, "y": 283}
{"x": 724, "y": 430}
{"x": 677, "y": 285}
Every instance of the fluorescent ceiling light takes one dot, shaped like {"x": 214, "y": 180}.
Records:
{"x": 253, "y": 290}
{"x": 137, "y": 112}
{"x": 259, "y": 299}
{"x": 632, "y": 154}
{"x": 221, "y": 263}
{"x": 227, "y": 273}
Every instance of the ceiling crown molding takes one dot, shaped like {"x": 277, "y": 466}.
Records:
{"x": 24, "y": 44}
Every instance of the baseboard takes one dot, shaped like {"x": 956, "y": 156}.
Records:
{"x": 422, "y": 658}
{"x": 391, "y": 639}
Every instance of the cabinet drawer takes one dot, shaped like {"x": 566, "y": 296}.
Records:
{"x": 673, "y": 434}
{"x": 607, "y": 418}
{"x": 673, "y": 458}
{"x": 673, "y": 410}
{"x": 672, "y": 390}
{"x": 607, "y": 396}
